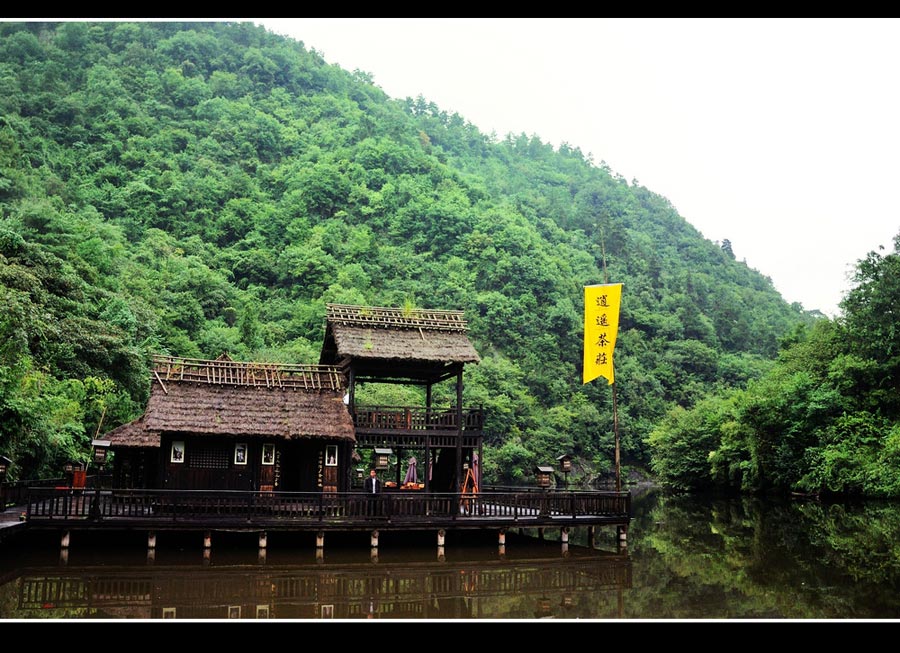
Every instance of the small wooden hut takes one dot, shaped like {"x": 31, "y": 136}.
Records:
{"x": 227, "y": 425}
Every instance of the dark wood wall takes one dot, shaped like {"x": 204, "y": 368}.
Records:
{"x": 136, "y": 468}
{"x": 214, "y": 463}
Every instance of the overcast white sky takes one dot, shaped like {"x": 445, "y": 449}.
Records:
{"x": 781, "y": 135}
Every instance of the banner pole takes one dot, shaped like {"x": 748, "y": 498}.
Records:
{"x": 614, "y": 401}
{"x": 616, "y": 431}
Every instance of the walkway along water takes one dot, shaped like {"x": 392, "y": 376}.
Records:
{"x": 68, "y": 510}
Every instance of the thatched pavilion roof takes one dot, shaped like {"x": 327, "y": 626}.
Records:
{"x": 372, "y": 333}
{"x": 228, "y": 398}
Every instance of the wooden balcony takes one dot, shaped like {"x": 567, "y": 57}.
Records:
{"x": 408, "y": 427}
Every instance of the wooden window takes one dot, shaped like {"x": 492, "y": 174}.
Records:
{"x": 209, "y": 457}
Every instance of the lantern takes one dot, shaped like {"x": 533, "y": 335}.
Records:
{"x": 382, "y": 458}
{"x": 543, "y": 473}
{"x": 101, "y": 448}
{"x": 565, "y": 463}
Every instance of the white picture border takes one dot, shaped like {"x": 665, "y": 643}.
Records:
{"x": 176, "y": 455}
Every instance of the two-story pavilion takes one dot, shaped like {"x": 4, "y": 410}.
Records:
{"x": 410, "y": 347}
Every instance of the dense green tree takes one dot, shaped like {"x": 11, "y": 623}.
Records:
{"x": 823, "y": 419}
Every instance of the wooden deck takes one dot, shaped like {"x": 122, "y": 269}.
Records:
{"x": 314, "y": 511}
{"x": 10, "y": 523}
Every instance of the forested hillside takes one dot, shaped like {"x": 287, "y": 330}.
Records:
{"x": 824, "y": 420}
{"x": 198, "y": 188}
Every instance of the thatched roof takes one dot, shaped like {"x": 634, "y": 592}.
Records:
{"x": 225, "y": 398}
{"x": 395, "y": 334}
{"x": 133, "y": 434}
{"x": 199, "y": 408}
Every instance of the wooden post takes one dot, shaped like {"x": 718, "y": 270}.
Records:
{"x": 351, "y": 381}
{"x": 501, "y": 551}
{"x": 320, "y": 540}
{"x": 261, "y": 556}
{"x": 564, "y": 534}
{"x": 63, "y": 557}
{"x": 440, "y": 554}
{"x": 151, "y": 540}
{"x": 441, "y": 534}
{"x": 263, "y": 540}
{"x": 459, "y": 429}
{"x": 320, "y": 555}
{"x": 590, "y": 535}
{"x": 207, "y": 540}
{"x": 64, "y": 541}
{"x": 501, "y": 537}
{"x": 207, "y": 555}
{"x": 565, "y": 549}
{"x": 373, "y": 554}
{"x": 622, "y": 532}
{"x": 374, "y": 540}
{"x": 151, "y": 556}
{"x": 427, "y": 438}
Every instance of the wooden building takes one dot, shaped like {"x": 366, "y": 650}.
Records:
{"x": 227, "y": 425}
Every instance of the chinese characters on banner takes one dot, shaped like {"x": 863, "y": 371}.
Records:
{"x": 601, "y": 323}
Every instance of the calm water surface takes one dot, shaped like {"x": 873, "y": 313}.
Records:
{"x": 687, "y": 558}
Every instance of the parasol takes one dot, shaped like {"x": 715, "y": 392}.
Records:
{"x": 411, "y": 475}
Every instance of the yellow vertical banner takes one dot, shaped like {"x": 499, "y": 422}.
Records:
{"x": 601, "y": 324}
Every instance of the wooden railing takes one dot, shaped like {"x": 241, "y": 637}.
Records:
{"x": 380, "y": 316}
{"x": 15, "y": 493}
{"x": 404, "y": 418}
{"x": 298, "y": 509}
{"x": 267, "y": 375}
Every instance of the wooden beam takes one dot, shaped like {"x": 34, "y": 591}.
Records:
{"x": 160, "y": 382}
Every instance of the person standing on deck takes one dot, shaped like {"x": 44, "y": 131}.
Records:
{"x": 373, "y": 484}
{"x": 372, "y": 488}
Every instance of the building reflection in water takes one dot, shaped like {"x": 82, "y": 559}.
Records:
{"x": 587, "y": 585}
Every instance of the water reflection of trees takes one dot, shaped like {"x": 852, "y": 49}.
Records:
{"x": 753, "y": 558}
